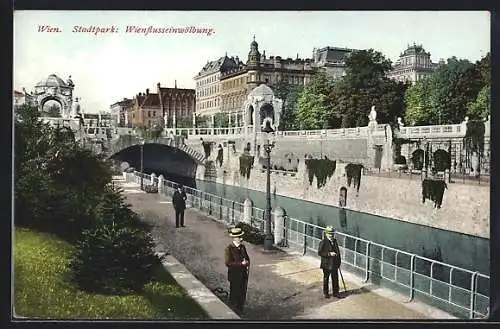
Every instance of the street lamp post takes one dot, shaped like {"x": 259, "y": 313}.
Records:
{"x": 142, "y": 164}
{"x": 268, "y": 239}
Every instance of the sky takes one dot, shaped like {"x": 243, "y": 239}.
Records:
{"x": 107, "y": 67}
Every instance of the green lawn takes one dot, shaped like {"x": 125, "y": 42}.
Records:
{"x": 42, "y": 288}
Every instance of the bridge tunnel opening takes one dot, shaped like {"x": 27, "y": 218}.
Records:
{"x": 174, "y": 164}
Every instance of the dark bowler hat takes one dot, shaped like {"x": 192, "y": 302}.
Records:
{"x": 236, "y": 232}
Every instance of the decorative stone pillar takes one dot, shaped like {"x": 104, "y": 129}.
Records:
{"x": 153, "y": 176}
{"x": 125, "y": 176}
{"x": 229, "y": 118}
{"x": 161, "y": 180}
{"x": 279, "y": 225}
{"x": 247, "y": 211}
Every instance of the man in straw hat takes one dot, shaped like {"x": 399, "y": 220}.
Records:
{"x": 330, "y": 261}
{"x": 238, "y": 263}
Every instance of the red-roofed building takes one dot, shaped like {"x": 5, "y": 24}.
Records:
{"x": 175, "y": 105}
{"x": 178, "y": 103}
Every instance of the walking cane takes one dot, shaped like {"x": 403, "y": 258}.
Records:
{"x": 342, "y": 277}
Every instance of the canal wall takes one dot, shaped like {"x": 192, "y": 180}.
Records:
{"x": 465, "y": 207}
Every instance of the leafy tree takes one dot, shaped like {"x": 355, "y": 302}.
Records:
{"x": 289, "y": 94}
{"x": 185, "y": 122}
{"x": 52, "y": 111}
{"x": 202, "y": 121}
{"x": 152, "y": 132}
{"x": 364, "y": 85}
{"x": 442, "y": 97}
{"x": 480, "y": 108}
{"x": 56, "y": 181}
{"x": 221, "y": 120}
{"x": 314, "y": 108}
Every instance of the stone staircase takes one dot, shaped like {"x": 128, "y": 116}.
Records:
{"x": 200, "y": 158}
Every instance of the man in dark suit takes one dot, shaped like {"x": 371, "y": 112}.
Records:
{"x": 238, "y": 263}
{"x": 179, "y": 202}
{"x": 330, "y": 261}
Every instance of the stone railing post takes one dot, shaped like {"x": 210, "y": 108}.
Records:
{"x": 160, "y": 183}
{"x": 247, "y": 211}
{"x": 153, "y": 176}
{"x": 125, "y": 176}
{"x": 279, "y": 225}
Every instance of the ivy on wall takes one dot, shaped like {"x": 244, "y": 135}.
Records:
{"x": 246, "y": 164}
{"x": 417, "y": 159}
{"x": 474, "y": 136}
{"x": 207, "y": 147}
{"x": 353, "y": 173}
{"x": 323, "y": 169}
{"x": 442, "y": 160}
{"x": 220, "y": 156}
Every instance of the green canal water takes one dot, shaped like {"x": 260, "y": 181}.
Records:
{"x": 462, "y": 250}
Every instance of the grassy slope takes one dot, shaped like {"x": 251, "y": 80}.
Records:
{"x": 43, "y": 290}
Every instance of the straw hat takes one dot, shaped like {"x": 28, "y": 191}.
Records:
{"x": 236, "y": 232}
{"x": 329, "y": 230}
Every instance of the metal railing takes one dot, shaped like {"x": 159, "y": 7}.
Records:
{"x": 456, "y": 290}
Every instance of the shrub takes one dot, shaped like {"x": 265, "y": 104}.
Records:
{"x": 112, "y": 209}
{"x": 252, "y": 234}
{"x": 151, "y": 189}
{"x": 110, "y": 259}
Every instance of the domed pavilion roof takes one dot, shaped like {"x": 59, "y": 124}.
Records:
{"x": 262, "y": 90}
{"x": 52, "y": 81}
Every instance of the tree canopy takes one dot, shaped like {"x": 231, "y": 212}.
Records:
{"x": 365, "y": 85}
{"x": 314, "y": 108}
{"x": 456, "y": 89}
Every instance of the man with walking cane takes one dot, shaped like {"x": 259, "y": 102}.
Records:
{"x": 330, "y": 262}
{"x": 238, "y": 264}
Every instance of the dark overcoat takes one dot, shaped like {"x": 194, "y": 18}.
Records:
{"x": 179, "y": 200}
{"x": 329, "y": 262}
{"x": 233, "y": 258}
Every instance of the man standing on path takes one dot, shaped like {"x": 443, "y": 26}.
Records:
{"x": 330, "y": 261}
{"x": 238, "y": 263}
{"x": 179, "y": 202}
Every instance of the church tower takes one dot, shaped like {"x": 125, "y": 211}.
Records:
{"x": 253, "y": 64}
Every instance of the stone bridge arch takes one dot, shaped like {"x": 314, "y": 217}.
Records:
{"x": 160, "y": 156}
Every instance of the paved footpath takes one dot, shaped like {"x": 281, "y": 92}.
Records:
{"x": 282, "y": 286}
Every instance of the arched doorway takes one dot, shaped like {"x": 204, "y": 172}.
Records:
{"x": 51, "y": 107}
{"x": 250, "y": 115}
{"x": 442, "y": 160}
{"x": 417, "y": 158}
{"x": 266, "y": 111}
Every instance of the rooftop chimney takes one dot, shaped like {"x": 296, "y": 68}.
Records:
{"x": 147, "y": 91}
{"x": 158, "y": 85}
{"x": 175, "y": 84}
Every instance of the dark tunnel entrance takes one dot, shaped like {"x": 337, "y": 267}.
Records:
{"x": 174, "y": 164}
